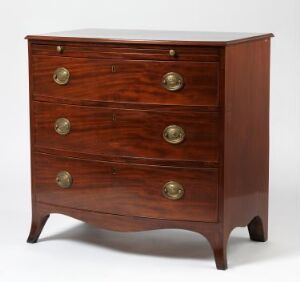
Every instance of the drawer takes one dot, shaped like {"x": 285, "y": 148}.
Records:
{"x": 128, "y": 133}
{"x": 134, "y": 190}
{"x": 132, "y": 52}
{"x": 125, "y": 81}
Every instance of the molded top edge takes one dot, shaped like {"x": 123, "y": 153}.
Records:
{"x": 159, "y": 37}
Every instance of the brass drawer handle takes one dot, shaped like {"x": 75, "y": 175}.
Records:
{"x": 172, "y": 81}
{"x": 174, "y": 134}
{"x": 173, "y": 190}
{"x": 64, "y": 179}
{"x": 62, "y": 126}
{"x": 61, "y": 76}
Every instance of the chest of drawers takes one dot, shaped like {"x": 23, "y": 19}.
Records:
{"x": 135, "y": 131}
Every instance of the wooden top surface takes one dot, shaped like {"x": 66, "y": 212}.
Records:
{"x": 151, "y": 37}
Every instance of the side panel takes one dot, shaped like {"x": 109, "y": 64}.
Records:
{"x": 246, "y": 133}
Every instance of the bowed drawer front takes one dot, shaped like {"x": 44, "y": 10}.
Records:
{"x": 153, "y": 82}
{"x": 133, "y": 133}
{"x": 113, "y": 188}
{"x": 150, "y": 132}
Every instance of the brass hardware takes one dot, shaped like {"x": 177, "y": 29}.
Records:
{"x": 173, "y": 190}
{"x": 113, "y": 68}
{"x": 62, "y": 126}
{"x": 61, "y": 76}
{"x": 172, "y": 53}
{"x": 174, "y": 134}
{"x": 64, "y": 179}
{"x": 60, "y": 49}
{"x": 172, "y": 81}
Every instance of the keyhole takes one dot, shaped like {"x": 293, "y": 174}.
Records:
{"x": 113, "y": 68}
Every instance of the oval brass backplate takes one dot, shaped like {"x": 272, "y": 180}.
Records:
{"x": 172, "y": 81}
{"x": 174, "y": 134}
{"x": 173, "y": 190}
{"x": 62, "y": 126}
{"x": 64, "y": 179}
{"x": 61, "y": 76}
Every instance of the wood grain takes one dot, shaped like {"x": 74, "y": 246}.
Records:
{"x": 246, "y": 129}
{"x": 129, "y": 52}
{"x": 133, "y": 81}
{"x": 115, "y": 151}
{"x": 130, "y": 133}
{"x": 124, "y": 189}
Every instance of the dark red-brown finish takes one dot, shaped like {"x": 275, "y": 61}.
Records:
{"x": 133, "y": 133}
{"x": 96, "y": 185}
{"x": 130, "y": 52}
{"x": 148, "y": 38}
{"x": 246, "y": 133}
{"x": 132, "y": 81}
{"x": 115, "y": 151}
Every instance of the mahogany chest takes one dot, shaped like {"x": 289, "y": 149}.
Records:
{"x": 141, "y": 130}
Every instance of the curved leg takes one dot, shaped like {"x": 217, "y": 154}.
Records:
{"x": 258, "y": 229}
{"x": 219, "y": 245}
{"x": 38, "y": 222}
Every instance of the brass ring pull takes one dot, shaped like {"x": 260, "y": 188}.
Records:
{"x": 174, "y": 134}
{"x": 62, "y": 126}
{"x": 172, "y": 81}
{"x": 64, "y": 179}
{"x": 61, "y": 76}
{"x": 173, "y": 190}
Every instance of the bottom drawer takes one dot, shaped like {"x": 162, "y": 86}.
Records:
{"x": 127, "y": 189}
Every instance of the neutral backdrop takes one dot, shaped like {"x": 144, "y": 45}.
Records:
{"x": 72, "y": 251}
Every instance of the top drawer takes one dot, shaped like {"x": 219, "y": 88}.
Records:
{"x": 68, "y": 79}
